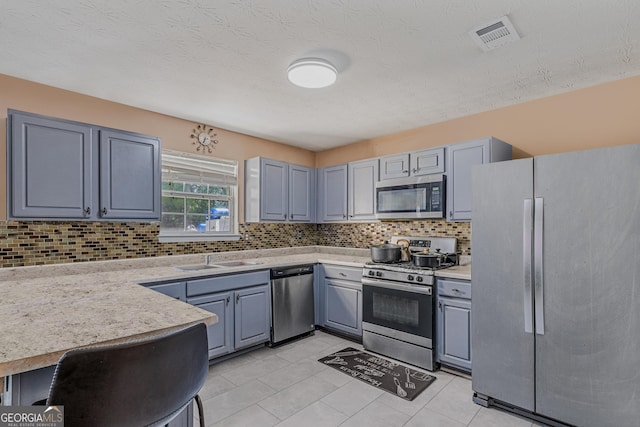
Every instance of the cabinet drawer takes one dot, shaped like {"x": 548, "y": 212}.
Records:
{"x": 341, "y": 272}
{"x": 454, "y": 288}
{"x": 174, "y": 290}
{"x": 224, "y": 283}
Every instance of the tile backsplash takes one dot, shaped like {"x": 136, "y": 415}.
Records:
{"x": 363, "y": 235}
{"x": 27, "y": 243}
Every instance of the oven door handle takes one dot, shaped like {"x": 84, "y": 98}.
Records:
{"x": 422, "y": 289}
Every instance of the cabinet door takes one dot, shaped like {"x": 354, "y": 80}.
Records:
{"x": 220, "y": 335}
{"x": 462, "y": 157}
{"x": 454, "y": 332}
{"x": 302, "y": 194}
{"x": 129, "y": 176}
{"x": 362, "y": 192}
{"x": 333, "y": 193}
{"x": 252, "y": 316}
{"x": 50, "y": 163}
{"x": 425, "y": 162}
{"x": 274, "y": 177}
{"x": 394, "y": 166}
{"x": 343, "y": 307}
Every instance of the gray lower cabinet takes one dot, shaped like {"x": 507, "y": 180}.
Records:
{"x": 242, "y": 303}
{"x": 64, "y": 169}
{"x": 461, "y": 158}
{"x": 453, "y": 322}
{"x": 220, "y": 335}
{"x": 342, "y": 289}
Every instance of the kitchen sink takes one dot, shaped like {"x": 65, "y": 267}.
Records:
{"x": 197, "y": 267}
{"x": 235, "y": 263}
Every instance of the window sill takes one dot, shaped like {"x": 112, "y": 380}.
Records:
{"x": 168, "y": 238}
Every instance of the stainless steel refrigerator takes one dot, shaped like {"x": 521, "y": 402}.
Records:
{"x": 556, "y": 286}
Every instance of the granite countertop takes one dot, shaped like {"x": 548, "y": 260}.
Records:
{"x": 51, "y": 309}
{"x": 47, "y": 310}
{"x": 462, "y": 271}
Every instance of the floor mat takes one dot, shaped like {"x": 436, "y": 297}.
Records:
{"x": 390, "y": 376}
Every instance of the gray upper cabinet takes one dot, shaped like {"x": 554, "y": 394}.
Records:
{"x": 50, "y": 167}
{"x": 425, "y": 162}
{"x": 332, "y": 192}
{"x": 273, "y": 190}
{"x": 362, "y": 180}
{"x": 461, "y": 159}
{"x": 415, "y": 163}
{"x": 129, "y": 176}
{"x": 396, "y": 166}
{"x": 64, "y": 169}
{"x": 302, "y": 184}
{"x": 278, "y": 191}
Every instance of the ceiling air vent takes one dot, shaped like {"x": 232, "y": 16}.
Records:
{"x": 494, "y": 34}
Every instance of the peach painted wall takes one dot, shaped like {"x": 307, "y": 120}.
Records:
{"x": 598, "y": 116}
{"x": 40, "y": 99}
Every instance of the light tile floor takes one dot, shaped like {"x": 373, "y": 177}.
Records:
{"x": 287, "y": 386}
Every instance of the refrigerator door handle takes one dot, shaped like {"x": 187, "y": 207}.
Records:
{"x": 537, "y": 264}
{"x": 527, "y": 227}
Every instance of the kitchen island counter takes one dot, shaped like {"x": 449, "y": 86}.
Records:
{"x": 43, "y": 318}
{"x": 47, "y": 310}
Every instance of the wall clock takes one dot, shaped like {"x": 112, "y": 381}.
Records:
{"x": 204, "y": 138}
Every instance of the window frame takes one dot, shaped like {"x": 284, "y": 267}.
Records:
{"x": 232, "y": 198}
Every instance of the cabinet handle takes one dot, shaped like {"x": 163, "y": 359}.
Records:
{"x": 237, "y": 298}
{"x": 291, "y": 216}
{"x": 414, "y": 170}
{"x": 103, "y": 212}
{"x": 440, "y": 306}
{"x": 450, "y": 214}
{"x": 228, "y": 299}
{"x": 342, "y": 274}
{"x": 405, "y": 171}
{"x": 456, "y": 290}
{"x": 87, "y": 211}
{"x": 344, "y": 217}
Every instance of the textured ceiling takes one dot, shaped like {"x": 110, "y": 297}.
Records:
{"x": 403, "y": 63}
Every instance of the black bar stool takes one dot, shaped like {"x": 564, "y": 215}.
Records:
{"x": 140, "y": 383}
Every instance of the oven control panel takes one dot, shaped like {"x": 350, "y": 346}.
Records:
{"x": 418, "y": 277}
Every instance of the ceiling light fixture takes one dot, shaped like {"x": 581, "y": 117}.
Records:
{"x": 312, "y": 73}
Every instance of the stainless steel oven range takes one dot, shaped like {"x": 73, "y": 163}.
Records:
{"x": 398, "y": 305}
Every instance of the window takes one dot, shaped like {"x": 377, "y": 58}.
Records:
{"x": 199, "y": 198}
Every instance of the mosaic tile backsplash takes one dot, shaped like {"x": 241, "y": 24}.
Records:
{"x": 27, "y": 243}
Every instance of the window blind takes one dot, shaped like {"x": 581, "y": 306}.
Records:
{"x": 191, "y": 168}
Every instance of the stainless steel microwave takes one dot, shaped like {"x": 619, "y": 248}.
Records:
{"x": 414, "y": 197}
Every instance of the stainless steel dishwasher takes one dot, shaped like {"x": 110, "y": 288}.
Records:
{"x": 291, "y": 302}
